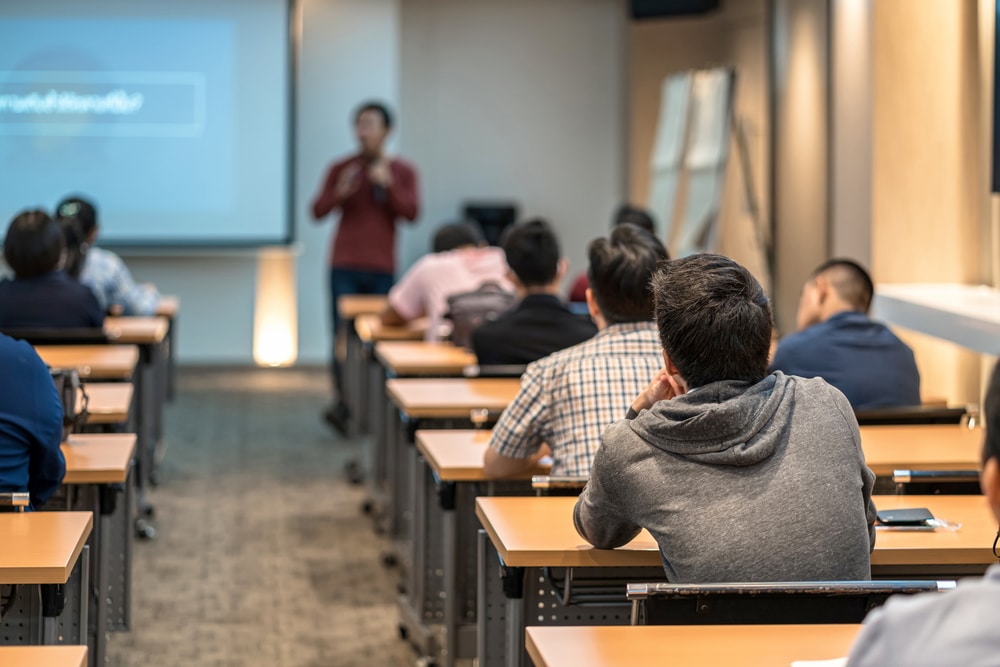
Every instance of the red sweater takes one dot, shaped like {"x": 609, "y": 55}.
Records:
{"x": 366, "y": 237}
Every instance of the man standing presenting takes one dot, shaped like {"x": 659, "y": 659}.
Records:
{"x": 372, "y": 191}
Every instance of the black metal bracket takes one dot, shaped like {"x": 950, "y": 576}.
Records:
{"x": 53, "y": 600}
{"x": 512, "y": 579}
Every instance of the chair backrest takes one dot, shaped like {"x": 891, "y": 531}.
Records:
{"x": 70, "y": 336}
{"x": 556, "y": 485}
{"x": 919, "y": 414}
{"x": 15, "y": 501}
{"x": 948, "y": 482}
{"x": 494, "y": 371}
{"x": 766, "y": 603}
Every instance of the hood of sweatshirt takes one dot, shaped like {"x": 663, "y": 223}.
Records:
{"x": 722, "y": 423}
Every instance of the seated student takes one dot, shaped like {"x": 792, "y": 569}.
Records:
{"x": 31, "y": 423}
{"x": 626, "y": 214}
{"x": 737, "y": 474}
{"x": 944, "y": 629}
{"x": 103, "y": 271}
{"x": 568, "y": 398}
{"x": 76, "y": 246}
{"x": 540, "y": 323}
{"x": 41, "y": 295}
{"x": 839, "y": 343}
{"x": 461, "y": 262}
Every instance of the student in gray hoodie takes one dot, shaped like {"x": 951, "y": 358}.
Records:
{"x": 737, "y": 474}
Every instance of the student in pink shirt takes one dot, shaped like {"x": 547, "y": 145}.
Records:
{"x": 461, "y": 262}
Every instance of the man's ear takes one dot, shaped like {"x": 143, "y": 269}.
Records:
{"x": 822, "y": 289}
{"x": 592, "y": 307}
{"x": 989, "y": 481}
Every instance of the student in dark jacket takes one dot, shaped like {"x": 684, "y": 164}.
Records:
{"x": 838, "y": 342}
{"x": 42, "y": 295}
{"x": 31, "y": 415}
{"x": 540, "y": 323}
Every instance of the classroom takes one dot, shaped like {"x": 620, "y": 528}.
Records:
{"x": 499, "y": 333}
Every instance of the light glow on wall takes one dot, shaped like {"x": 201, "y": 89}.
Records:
{"x": 275, "y": 326}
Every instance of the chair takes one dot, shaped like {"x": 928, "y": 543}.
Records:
{"x": 766, "y": 603}
{"x": 918, "y": 414}
{"x": 949, "y": 482}
{"x": 14, "y": 501}
{"x": 556, "y": 485}
{"x": 51, "y": 336}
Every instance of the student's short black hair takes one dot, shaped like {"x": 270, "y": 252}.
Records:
{"x": 377, "y": 107}
{"x": 532, "y": 252}
{"x": 636, "y": 216}
{"x": 82, "y": 209}
{"x": 76, "y": 245}
{"x": 850, "y": 280}
{"x": 34, "y": 244}
{"x": 457, "y": 234}
{"x": 991, "y": 416}
{"x": 619, "y": 272}
{"x": 714, "y": 319}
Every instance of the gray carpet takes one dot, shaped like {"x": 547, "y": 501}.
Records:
{"x": 263, "y": 557}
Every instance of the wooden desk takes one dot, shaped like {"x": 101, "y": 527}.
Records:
{"x": 350, "y": 306}
{"x": 108, "y": 402}
{"x": 718, "y": 646}
{"x": 371, "y": 330}
{"x": 457, "y": 456}
{"x": 404, "y": 358}
{"x": 451, "y": 397}
{"x": 524, "y": 536}
{"x": 136, "y": 330}
{"x": 926, "y": 447}
{"x": 43, "y": 656}
{"x": 100, "y": 458}
{"x": 93, "y": 362}
{"x": 41, "y": 547}
{"x": 537, "y": 532}
{"x": 168, "y": 306}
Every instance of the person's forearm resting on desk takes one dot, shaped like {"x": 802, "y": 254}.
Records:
{"x": 498, "y": 466}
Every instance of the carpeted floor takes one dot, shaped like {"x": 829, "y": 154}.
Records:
{"x": 263, "y": 557}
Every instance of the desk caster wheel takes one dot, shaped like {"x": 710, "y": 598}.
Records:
{"x": 367, "y": 507}
{"x": 404, "y": 634}
{"x": 145, "y": 530}
{"x": 147, "y": 511}
{"x": 389, "y": 559}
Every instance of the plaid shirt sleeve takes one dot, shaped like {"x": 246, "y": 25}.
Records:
{"x": 521, "y": 429}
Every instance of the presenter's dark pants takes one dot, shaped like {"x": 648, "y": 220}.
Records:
{"x": 351, "y": 281}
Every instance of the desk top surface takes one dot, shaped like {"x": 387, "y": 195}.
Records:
{"x": 137, "y": 330}
{"x": 451, "y": 397}
{"x": 98, "y": 458}
{"x": 43, "y": 656}
{"x": 925, "y": 447}
{"x": 350, "y": 306}
{"x": 168, "y": 306}
{"x": 742, "y": 645}
{"x": 41, "y": 547}
{"x": 457, "y": 456}
{"x": 370, "y": 329}
{"x": 539, "y": 531}
{"x": 108, "y": 402}
{"x": 94, "y": 362}
{"x": 420, "y": 357}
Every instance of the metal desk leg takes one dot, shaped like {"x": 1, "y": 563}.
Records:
{"x": 64, "y": 607}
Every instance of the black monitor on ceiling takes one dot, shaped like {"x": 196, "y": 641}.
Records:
{"x": 653, "y": 9}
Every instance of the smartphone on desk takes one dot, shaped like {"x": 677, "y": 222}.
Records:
{"x": 915, "y": 518}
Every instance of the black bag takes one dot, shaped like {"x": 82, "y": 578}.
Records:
{"x": 470, "y": 309}
{"x": 74, "y": 399}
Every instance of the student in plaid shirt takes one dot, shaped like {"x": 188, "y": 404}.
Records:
{"x": 568, "y": 398}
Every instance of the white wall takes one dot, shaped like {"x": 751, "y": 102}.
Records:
{"x": 519, "y": 100}
{"x": 496, "y": 98}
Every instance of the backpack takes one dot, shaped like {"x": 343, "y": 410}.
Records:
{"x": 74, "y": 399}
{"x": 470, "y": 309}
